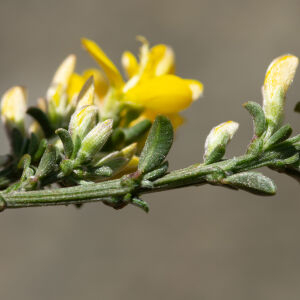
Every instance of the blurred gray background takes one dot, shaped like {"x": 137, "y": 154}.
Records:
{"x": 196, "y": 243}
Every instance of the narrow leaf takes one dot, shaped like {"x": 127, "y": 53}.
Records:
{"x": 140, "y": 203}
{"x": 42, "y": 119}
{"x": 157, "y": 173}
{"x": 258, "y": 115}
{"x": 253, "y": 182}
{"x": 279, "y": 136}
{"x": 157, "y": 145}
{"x": 41, "y": 149}
{"x": 66, "y": 139}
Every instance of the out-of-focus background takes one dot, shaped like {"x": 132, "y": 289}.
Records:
{"x": 196, "y": 243}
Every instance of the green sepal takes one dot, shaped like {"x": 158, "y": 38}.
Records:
{"x": 258, "y": 116}
{"x": 66, "y": 139}
{"x": 253, "y": 182}
{"x": 42, "y": 119}
{"x": 279, "y": 136}
{"x": 47, "y": 164}
{"x": 157, "y": 145}
{"x": 94, "y": 141}
{"x": 157, "y": 173}
{"x": 216, "y": 154}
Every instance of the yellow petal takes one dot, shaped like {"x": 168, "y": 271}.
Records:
{"x": 100, "y": 82}
{"x": 75, "y": 85}
{"x": 64, "y": 71}
{"x": 107, "y": 65}
{"x": 13, "y": 107}
{"x": 129, "y": 64}
{"x": 281, "y": 72}
{"x": 86, "y": 95}
{"x": 165, "y": 94}
{"x": 163, "y": 60}
{"x": 196, "y": 87}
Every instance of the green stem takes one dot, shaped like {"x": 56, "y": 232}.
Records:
{"x": 109, "y": 190}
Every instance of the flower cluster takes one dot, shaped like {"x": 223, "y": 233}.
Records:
{"x": 96, "y": 126}
{"x": 96, "y": 120}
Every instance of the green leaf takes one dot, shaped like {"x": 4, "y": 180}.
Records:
{"x": 253, "y": 182}
{"x": 279, "y": 136}
{"x": 256, "y": 146}
{"x": 42, "y": 119}
{"x": 258, "y": 117}
{"x": 140, "y": 203}
{"x": 157, "y": 173}
{"x": 157, "y": 145}
{"x": 288, "y": 161}
{"x": 41, "y": 149}
{"x": 66, "y": 139}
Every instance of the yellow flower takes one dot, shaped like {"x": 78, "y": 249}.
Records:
{"x": 13, "y": 108}
{"x": 278, "y": 79}
{"x": 151, "y": 83}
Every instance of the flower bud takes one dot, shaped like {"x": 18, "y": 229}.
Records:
{"x": 278, "y": 79}
{"x": 13, "y": 108}
{"x": 82, "y": 121}
{"x": 119, "y": 159}
{"x": 218, "y": 138}
{"x": 64, "y": 71}
{"x": 94, "y": 141}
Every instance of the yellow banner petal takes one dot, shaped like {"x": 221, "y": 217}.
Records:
{"x": 107, "y": 65}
